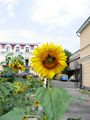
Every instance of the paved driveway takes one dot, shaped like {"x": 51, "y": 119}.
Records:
{"x": 80, "y": 106}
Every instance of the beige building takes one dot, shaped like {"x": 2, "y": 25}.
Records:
{"x": 84, "y": 33}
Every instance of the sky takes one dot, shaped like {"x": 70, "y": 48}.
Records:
{"x": 40, "y": 21}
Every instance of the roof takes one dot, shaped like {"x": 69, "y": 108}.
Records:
{"x": 76, "y": 52}
{"x": 74, "y": 56}
{"x": 85, "y": 24}
{"x": 12, "y": 43}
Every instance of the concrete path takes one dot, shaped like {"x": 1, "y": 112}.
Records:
{"x": 80, "y": 105}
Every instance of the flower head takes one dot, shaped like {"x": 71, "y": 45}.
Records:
{"x": 28, "y": 77}
{"x": 19, "y": 87}
{"x": 36, "y": 104}
{"x": 48, "y": 60}
{"x": 16, "y": 65}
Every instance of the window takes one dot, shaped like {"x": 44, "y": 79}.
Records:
{"x": 7, "y": 48}
{"x": 32, "y": 47}
{"x": 17, "y": 49}
{"x": 27, "y": 50}
{"x": 26, "y": 62}
{"x": 0, "y": 46}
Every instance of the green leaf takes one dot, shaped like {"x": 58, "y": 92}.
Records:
{"x": 54, "y": 101}
{"x": 16, "y": 114}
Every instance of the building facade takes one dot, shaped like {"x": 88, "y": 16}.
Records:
{"x": 84, "y": 33}
{"x": 74, "y": 61}
{"x": 23, "y": 49}
{"x": 74, "y": 67}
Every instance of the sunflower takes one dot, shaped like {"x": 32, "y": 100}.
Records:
{"x": 28, "y": 77}
{"x": 16, "y": 66}
{"x": 48, "y": 60}
{"x": 36, "y": 104}
{"x": 19, "y": 87}
{"x": 25, "y": 118}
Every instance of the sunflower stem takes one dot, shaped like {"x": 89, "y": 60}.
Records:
{"x": 48, "y": 83}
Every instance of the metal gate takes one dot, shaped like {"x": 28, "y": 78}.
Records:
{"x": 78, "y": 77}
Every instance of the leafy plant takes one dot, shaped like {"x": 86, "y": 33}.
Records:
{"x": 8, "y": 58}
{"x": 54, "y": 101}
{"x": 6, "y": 89}
{"x": 7, "y": 74}
{"x": 15, "y": 114}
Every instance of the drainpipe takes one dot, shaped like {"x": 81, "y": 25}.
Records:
{"x": 80, "y": 76}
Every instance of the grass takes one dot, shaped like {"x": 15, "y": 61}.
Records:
{"x": 85, "y": 92}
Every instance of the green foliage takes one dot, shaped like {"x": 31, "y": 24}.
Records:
{"x": 85, "y": 92}
{"x": 15, "y": 114}
{"x": 32, "y": 83}
{"x": 6, "y": 89}
{"x": 9, "y": 100}
{"x": 68, "y": 53}
{"x": 54, "y": 101}
{"x": 18, "y": 58}
{"x": 1, "y": 80}
{"x": 8, "y": 57}
{"x": 36, "y": 83}
{"x": 7, "y": 74}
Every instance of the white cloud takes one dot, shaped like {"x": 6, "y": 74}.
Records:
{"x": 20, "y": 35}
{"x": 23, "y": 35}
{"x": 28, "y": 36}
{"x": 9, "y": 5}
{"x": 59, "y": 12}
{"x": 2, "y": 21}
{"x": 53, "y": 14}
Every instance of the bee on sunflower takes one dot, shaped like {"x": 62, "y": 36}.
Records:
{"x": 48, "y": 60}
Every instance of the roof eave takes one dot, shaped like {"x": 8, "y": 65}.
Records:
{"x": 85, "y": 24}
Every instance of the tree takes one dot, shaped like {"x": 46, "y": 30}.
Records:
{"x": 68, "y": 54}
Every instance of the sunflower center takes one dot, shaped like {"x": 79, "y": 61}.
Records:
{"x": 15, "y": 66}
{"x": 50, "y": 62}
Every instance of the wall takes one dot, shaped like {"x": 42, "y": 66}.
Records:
{"x": 86, "y": 73}
{"x": 73, "y": 60}
{"x": 26, "y": 55}
{"x": 85, "y": 55}
{"x": 85, "y": 37}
